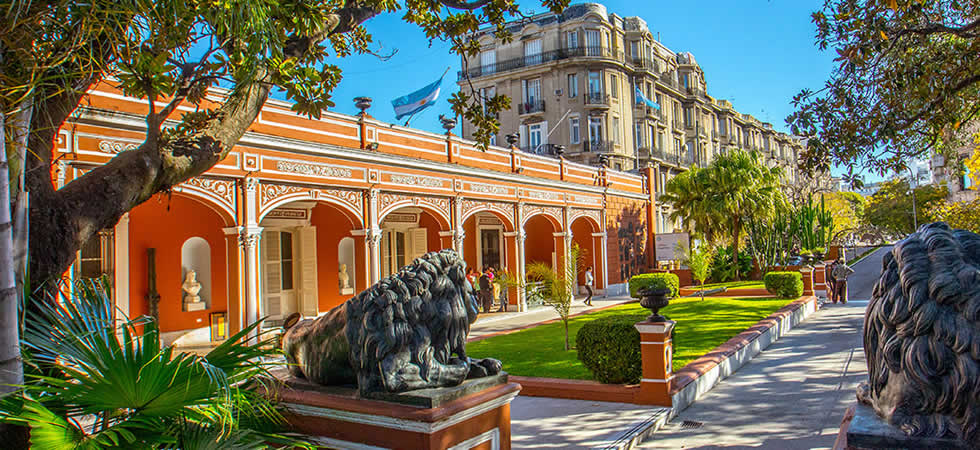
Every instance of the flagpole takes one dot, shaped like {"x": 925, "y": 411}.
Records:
{"x": 440, "y": 79}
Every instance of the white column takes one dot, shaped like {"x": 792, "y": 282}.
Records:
{"x": 459, "y": 233}
{"x": 373, "y": 236}
{"x": 249, "y": 239}
{"x": 521, "y": 274}
{"x": 121, "y": 269}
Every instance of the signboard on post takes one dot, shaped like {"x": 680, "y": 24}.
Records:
{"x": 666, "y": 245}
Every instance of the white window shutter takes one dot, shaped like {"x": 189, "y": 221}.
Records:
{"x": 273, "y": 274}
{"x": 309, "y": 298}
{"x": 420, "y": 242}
{"x": 522, "y": 130}
{"x": 544, "y": 134}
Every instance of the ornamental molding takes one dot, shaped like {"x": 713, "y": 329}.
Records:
{"x": 487, "y": 188}
{"x": 271, "y": 196}
{"x": 549, "y": 196}
{"x": 390, "y": 201}
{"x": 593, "y": 214}
{"x": 116, "y": 146}
{"x": 318, "y": 170}
{"x": 529, "y": 211}
{"x": 221, "y": 191}
{"x": 416, "y": 180}
{"x": 470, "y": 207}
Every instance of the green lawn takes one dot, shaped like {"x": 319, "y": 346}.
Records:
{"x": 734, "y": 284}
{"x": 701, "y": 326}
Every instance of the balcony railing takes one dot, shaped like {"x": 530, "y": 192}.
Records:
{"x": 598, "y": 146}
{"x": 597, "y": 99}
{"x": 540, "y": 58}
{"x": 531, "y": 107}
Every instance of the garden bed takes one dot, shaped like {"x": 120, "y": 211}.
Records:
{"x": 701, "y": 326}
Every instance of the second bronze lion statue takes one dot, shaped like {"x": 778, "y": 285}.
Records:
{"x": 406, "y": 332}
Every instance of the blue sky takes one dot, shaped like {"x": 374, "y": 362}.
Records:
{"x": 756, "y": 53}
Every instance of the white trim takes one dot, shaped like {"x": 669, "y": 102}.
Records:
{"x": 662, "y": 327}
{"x": 651, "y": 380}
{"x": 120, "y": 285}
{"x": 492, "y": 435}
{"x": 656, "y": 342}
{"x": 339, "y": 444}
{"x": 400, "y": 424}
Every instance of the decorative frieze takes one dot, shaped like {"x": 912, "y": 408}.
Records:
{"x": 593, "y": 214}
{"x": 470, "y": 207}
{"x": 116, "y": 146}
{"x": 319, "y": 170}
{"x": 271, "y": 192}
{"x": 222, "y": 189}
{"x": 389, "y": 201}
{"x": 485, "y": 188}
{"x": 416, "y": 180}
{"x": 549, "y": 196}
{"x": 528, "y": 211}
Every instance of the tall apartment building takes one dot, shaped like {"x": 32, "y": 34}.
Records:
{"x": 574, "y": 80}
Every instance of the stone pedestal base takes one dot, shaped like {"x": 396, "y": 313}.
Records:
{"x": 862, "y": 429}
{"x": 474, "y": 415}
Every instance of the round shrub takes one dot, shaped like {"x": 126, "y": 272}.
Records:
{"x": 784, "y": 284}
{"x": 655, "y": 281}
{"x": 610, "y": 348}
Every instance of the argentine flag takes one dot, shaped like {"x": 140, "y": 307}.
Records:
{"x": 641, "y": 99}
{"x": 417, "y": 101}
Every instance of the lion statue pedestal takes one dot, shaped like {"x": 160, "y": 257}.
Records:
{"x": 922, "y": 344}
{"x": 389, "y": 369}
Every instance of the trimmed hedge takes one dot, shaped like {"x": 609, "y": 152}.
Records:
{"x": 784, "y": 284}
{"x": 610, "y": 348}
{"x": 655, "y": 280}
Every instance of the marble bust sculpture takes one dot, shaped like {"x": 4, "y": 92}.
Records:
{"x": 343, "y": 277}
{"x": 191, "y": 287}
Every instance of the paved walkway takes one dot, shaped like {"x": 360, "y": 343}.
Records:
{"x": 793, "y": 395}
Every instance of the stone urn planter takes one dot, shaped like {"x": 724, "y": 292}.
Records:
{"x": 654, "y": 299}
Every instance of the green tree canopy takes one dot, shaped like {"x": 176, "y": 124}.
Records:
{"x": 890, "y": 209}
{"x": 714, "y": 201}
{"x": 908, "y": 78}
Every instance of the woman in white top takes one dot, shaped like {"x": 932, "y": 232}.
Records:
{"x": 589, "y": 279}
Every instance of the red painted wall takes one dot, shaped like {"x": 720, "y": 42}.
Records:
{"x": 540, "y": 240}
{"x": 332, "y": 225}
{"x": 164, "y": 224}
{"x": 433, "y": 228}
{"x": 582, "y": 235}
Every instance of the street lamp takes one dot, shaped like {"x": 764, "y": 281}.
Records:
{"x": 915, "y": 216}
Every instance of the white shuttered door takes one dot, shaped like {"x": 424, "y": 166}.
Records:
{"x": 420, "y": 242}
{"x": 309, "y": 305}
{"x": 273, "y": 274}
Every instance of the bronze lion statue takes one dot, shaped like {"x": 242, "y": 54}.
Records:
{"x": 406, "y": 332}
{"x": 922, "y": 335}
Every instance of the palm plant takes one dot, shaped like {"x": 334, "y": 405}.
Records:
{"x": 94, "y": 383}
{"x": 716, "y": 200}
{"x": 557, "y": 285}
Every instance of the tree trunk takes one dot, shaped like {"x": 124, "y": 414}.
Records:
{"x": 567, "y": 346}
{"x": 737, "y": 230}
{"x": 11, "y": 367}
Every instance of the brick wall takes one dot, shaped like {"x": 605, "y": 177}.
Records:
{"x": 626, "y": 231}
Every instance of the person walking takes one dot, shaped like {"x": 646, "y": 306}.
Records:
{"x": 486, "y": 292}
{"x": 831, "y": 281}
{"x": 589, "y": 279}
{"x": 841, "y": 272}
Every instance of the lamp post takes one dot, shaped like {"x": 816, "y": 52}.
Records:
{"x": 913, "y": 180}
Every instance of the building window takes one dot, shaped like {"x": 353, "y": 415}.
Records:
{"x": 486, "y": 94}
{"x": 574, "y": 133}
{"x": 534, "y": 136}
{"x": 677, "y": 112}
{"x": 638, "y": 129}
{"x": 488, "y": 61}
{"x": 572, "y": 85}
{"x": 615, "y": 129}
{"x": 689, "y": 117}
{"x": 592, "y": 43}
{"x": 652, "y": 132}
{"x": 532, "y": 51}
{"x": 635, "y": 50}
{"x": 595, "y": 83}
{"x": 95, "y": 257}
{"x": 613, "y": 86}
{"x": 595, "y": 129}
{"x": 286, "y": 261}
{"x": 618, "y": 166}
{"x": 609, "y": 41}
{"x": 571, "y": 38}
{"x": 532, "y": 91}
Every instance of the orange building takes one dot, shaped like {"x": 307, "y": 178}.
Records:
{"x": 300, "y": 205}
